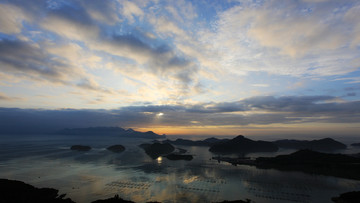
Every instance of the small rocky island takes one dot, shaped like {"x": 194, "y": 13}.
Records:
{"x": 116, "y": 148}
{"x": 157, "y": 149}
{"x": 82, "y": 148}
{"x": 240, "y": 144}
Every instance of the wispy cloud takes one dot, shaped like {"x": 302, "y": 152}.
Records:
{"x": 30, "y": 60}
{"x": 4, "y": 97}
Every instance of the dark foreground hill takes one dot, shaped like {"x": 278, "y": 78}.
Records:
{"x": 326, "y": 144}
{"x": 240, "y": 144}
{"x": 12, "y": 191}
{"x": 348, "y": 197}
{"x": 130, "y": 133}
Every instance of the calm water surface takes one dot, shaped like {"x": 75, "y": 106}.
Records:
{"x": 46, "y": 161}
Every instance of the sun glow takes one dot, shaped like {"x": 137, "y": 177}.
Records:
{"x": 159, "y": 160}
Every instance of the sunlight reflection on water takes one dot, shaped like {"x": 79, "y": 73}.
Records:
{"x": 159, "y": 160}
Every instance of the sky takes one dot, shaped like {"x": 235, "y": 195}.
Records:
{"x": 216, "y": 67}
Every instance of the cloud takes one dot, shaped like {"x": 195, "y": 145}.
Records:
{"x": 35, "y": 63}
{"x": 285, "y": 38}
{"x": 103, "y": 11}
{"x": 11, "y": 19}
{"x": 168, "y": 28}
{"x": 39, "y": 65}
{"x": 159, "y": 60}
{"x": 89, "y": 84}
{"x": 5, "y": 97}
{"x": 315, "y": 1}
{"x": 130, "y": 10}
{"x": 350, "y": 80}
{"x": 92, "y": 85}
{"x": 72, "y": 23}
{"x": 260, "y": 85}
{"x": 74, "y": 54}
{"x": 251, "y": 111}
{"x": 352, "y": 16}
{"x": 180, "y": 51}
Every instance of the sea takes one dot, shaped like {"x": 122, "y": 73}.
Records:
{"x": 47, "y": 161}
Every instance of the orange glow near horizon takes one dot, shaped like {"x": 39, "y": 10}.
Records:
{"x": 271, "y": 129}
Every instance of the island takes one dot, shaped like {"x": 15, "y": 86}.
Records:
{"x": 80, "y": 148}
{"x": 116, "y": 148}
{"x": 121, "y": 132}
{"x": 355, "y": 144}
{"x": 242, "y": 145}
{"x": 313, "y": 162}
{"x": 326, "y": 144}
{"x": 338, "y": 165}
{"x": 205, "y": 143}
{"x": 157, "y": 149}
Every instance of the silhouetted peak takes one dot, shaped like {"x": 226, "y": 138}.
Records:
{"x": 241, "y": 144}
{"x": 240, "y": 138}
{"x": 305, "y": 152}
{"x": 328, "y": 140}
{"x": 130, "y": 130}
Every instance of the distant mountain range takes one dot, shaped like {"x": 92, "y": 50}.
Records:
{"x": 110, "y": 131}
{"x": 326, "y": 144}
{"x": 206, "y": 143}
{"x": 241, "y": 144}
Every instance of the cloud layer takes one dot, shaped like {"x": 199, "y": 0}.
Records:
{"x": 204, "y": 63}
{"x": 250, "y": 111}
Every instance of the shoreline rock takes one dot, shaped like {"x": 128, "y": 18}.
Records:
{"x": 116, "y": 148}
{"x": 157, "y": 149}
